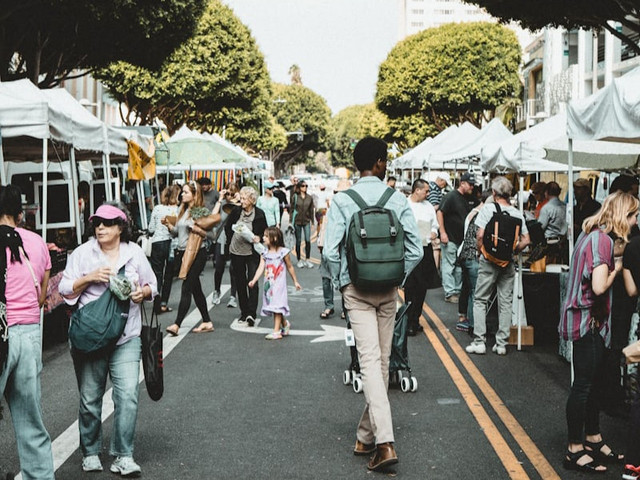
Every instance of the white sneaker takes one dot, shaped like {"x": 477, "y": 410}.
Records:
{"x": 301, "y": 264}
{"x": 250, "y": 321}
{"x": 477, "y": 347}
{"x": 232, "y": 303}
{"x": 241, "y": 322}
{"x": 126, "y": 467}
{"x": 91, "y": 463}
{"x": 309, "y": 264}
{"x": 499, "y": 349}
{"x": 216, "y": 298}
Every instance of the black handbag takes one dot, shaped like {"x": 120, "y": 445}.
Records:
{"x": 97, "y": 326}
{"x": 152, "y": 361}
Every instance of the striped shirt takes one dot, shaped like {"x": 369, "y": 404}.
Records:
{"x": 581, "y": 304}
{"x": 435, "y": 194}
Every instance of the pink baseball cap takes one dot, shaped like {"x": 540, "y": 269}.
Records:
{"x": 109, "y": 212}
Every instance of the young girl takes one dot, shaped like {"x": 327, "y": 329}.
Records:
{"x": 273, "y": 262}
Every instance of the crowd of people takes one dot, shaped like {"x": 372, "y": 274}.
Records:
{"x": 445, "y": 223}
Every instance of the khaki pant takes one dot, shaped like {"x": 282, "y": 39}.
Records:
{"x": 372, "y": 317}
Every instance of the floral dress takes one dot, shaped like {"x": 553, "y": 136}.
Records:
{"x": 274, "y": 297}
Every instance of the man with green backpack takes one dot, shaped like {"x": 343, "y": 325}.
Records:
{"x": 371, "y": 246}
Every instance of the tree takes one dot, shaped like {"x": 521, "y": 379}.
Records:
{"x": 446, "y": 75}
{"x": 216, "y": 79}
{"x": 305, "y": 116}
{"x": 50, "y": 40}
{"x": 590, "y": 14}
{"x": 350, "y": 125}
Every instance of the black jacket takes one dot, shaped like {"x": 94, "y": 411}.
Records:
{"x": 258, "y": 226}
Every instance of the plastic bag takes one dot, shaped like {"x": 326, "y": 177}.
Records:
{"x": 290, "y": 238}
{"x": 243, "y": 231}
{"x": 120, "y": 286}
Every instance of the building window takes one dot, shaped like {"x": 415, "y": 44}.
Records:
{"x": 416, "y": 11}
{"x": 443, "y": 12}
{"x": 417, "y": 24}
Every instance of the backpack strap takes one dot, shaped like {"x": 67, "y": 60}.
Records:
{"x": 385, "y": 197}
{"x": 355, "y": 196}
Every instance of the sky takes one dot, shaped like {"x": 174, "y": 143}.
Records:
{"x": 338, "y": 44}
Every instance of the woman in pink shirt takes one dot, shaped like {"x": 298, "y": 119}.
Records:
{"x": 24, "y": 274}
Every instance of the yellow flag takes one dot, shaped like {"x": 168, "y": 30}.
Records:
{"x": 141, "y": 165}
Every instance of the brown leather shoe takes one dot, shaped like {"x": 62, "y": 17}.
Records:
{"x": 364, "y": 448}
{"x": 385, "y": 455}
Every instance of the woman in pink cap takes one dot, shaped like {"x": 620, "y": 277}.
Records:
{"x": 85, "y": 279}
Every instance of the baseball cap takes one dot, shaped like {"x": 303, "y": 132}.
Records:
{"x": 268, "y": 185}
{"x": 582, "y": 182}
{"x": 468, "y": 177}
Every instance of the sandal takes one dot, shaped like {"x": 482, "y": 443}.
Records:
{"x": 204, "y": 327}
{"x": 172, "y": 331}
{"x": 327, "y": 312}
{"x": 570, "y": 462}
{"x": 595, "y": 450}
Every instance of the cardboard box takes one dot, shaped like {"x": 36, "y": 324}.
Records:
{"x": 527, "y": 335}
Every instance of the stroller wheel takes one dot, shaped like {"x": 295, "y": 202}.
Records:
{"x": 357, "y": 384}
{"x": 405, "y": 384}
{"x": 346, "y": 377}
{"x": 414, "y": 384}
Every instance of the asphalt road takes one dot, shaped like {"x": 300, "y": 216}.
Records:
{"x": 237, "y": 406}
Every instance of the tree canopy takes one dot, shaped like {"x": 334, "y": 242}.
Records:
{"x": 447, "y": 75}
{"x": 47, "y": 40}
{"x": 305, "y": 116}
{"x": 350, "y": 125}
{"x": 570, "y": 14}
{"x": 216, "y": 79}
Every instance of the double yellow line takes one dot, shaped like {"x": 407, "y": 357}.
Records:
{"x": 497, "y": 441}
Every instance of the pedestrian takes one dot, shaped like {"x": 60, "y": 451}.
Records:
{"x": 454, "y": 208}
{"x": 230, "y": 198}
{"x": 270, "y": 206}
{"x": 553, "y": 219}
{"x": 425, "y": 275}
{"x": 391, "y": 182}
{"x": 273, "y": 262}
{"x": 495, "y": 277}
{"x": 24, "y": 274}
{"x": 191, "y": 286}
{"x": 281, "y": 196}
{"x": 161, "y": 253}
{"x": 585, "y": 204}
{"x": 372, "y": 314}
{"x": 321, "y": 201}
{"x": 538, "y": 190}
{"x": 210, "y": 195}
{"x": 303, "y": 215}
{"x": 85, "y": 279}
{"x": 586, "y": 322}
{"x": 244, "y": 258}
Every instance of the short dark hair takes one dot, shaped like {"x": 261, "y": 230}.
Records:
{"x": 391, "y": 179}
{"x": 204, "y": 181}
{"x": 10, "y": 201}
{"x": 419, "y": 183}
{"x": 368, "y": 151}
{"x": 553, "y": 189}
{"x": 623, "y": 183}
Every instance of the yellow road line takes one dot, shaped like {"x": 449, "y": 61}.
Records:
{"x": 530, "y": 449}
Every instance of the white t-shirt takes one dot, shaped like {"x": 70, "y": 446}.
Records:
{"x": 321, "y": 197}
{"x": 487, "y": 211}
{"x": 426, "y": 218}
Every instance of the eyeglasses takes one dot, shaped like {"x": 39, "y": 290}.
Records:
{"x": 107, "y": 222}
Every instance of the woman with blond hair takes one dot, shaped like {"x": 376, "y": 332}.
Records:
{"x": 586, "y": 322}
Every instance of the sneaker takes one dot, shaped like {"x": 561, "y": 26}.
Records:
{"x": 241, "y": 322}
{"x": 126, "y": 467}
{"x": 250, "y": 321}
{"x": 309, "y": 264}
{"x": 285, "y": 330}
{"x": 232, "y": 303}
{"x": 216, "y": 298}
{"x": 301, "y": 264}
{"x": 630, "y": 472}
{"x": 476, "y": 347}
{"x": 91, "y": 463}
{"x": 452, "y": 298}
{"x": 463, "y": 326}
{"x": 274, "y": 336}
{"x": 499, "y": 349}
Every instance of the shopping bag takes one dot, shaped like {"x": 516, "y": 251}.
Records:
{"x": 152, "y": 361}
{"x": 290, "y": 238}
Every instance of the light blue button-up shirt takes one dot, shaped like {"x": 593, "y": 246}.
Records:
{"x": 342, "y": 209}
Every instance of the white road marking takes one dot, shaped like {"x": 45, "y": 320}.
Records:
{"x": 329, "y": 333}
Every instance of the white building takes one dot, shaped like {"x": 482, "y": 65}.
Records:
{"x": 93, "y": 96}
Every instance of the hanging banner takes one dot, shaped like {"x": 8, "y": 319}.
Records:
{"x": 141, "y": 165}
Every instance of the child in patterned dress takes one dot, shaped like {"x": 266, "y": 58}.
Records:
{"x": 273, "y": 262}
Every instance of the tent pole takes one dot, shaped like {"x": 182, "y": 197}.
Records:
{"x": 74, "y": 188}
{"x": 570, "y": 232}
{"x": 3, "y": 173}
{"x": 108, "y": 178}
{"x": 44, "y": 189}
{"x": 520, "y": 298}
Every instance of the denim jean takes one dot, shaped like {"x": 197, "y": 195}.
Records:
{"x": 20, "y": 382}
{"x": 307, "y": 240}
{"x": 122, "y": 365}
{"x": 162, "y": 266}
{"x": 327, "y": 284}
{"x": 451, "y": 273}
{"x": 470, "y": 272}
{"x": 583, "y": 412}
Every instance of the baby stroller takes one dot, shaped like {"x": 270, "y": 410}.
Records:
{"x": 399, "y": 368}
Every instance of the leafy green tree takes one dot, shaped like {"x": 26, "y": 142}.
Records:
{"x": 305, "y": 117}
{"x": 48, "y": 41}
{"x": 445, "y": 75}
{"x": 590, "y": 14}
{"x": 215, "y": 80}
{"x": 351, "y": 124}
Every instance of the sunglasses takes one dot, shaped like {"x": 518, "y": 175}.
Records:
{"x": 107, "y": 222}
{"x": 303, "y": 186}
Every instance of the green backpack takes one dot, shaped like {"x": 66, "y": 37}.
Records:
{"x": 375, "y": 245}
